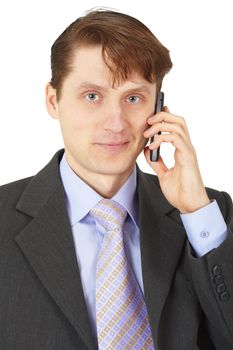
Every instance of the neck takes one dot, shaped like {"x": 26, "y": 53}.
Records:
{"x": 106, "y": 185}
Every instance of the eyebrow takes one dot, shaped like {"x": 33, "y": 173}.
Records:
{"x": 89, "y": 85}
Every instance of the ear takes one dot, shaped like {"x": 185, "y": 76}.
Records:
{"x": 51, "y": 101}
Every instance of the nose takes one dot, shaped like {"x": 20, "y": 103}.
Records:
{"x": 114, "y": 118}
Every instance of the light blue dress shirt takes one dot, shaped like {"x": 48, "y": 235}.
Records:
{"x": 205, "y": 228}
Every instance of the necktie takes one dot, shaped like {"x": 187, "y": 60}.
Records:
{"x": 121, "y": 315}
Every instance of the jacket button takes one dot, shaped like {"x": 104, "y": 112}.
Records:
{"x": 218, "y": 279}
{"x": 216, "y": 270}
{"x": 221, "y": 288}
{"x": 224, "y": 296}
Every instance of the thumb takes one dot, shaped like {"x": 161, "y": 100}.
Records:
{"x": 159, "y": 167}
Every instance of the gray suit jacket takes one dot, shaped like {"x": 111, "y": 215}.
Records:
{"x": 42, "y": 305}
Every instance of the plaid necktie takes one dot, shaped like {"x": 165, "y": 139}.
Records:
{"x": 121, "y": 315}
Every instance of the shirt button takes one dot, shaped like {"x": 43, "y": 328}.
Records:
{"x": 216, "y": 270}
{"x": 204, "y": 234}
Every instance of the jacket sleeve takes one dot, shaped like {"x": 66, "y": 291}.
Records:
{"x": 212, "y": 277}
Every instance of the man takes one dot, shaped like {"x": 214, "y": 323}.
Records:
{"x": 107, "y": 69}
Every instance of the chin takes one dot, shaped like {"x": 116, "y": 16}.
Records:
{"x": 113, "y": 167}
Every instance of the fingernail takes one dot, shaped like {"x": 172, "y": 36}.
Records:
{"x": 147, "y": 132}
{"x": 150, "y": 119}
{"x": 151, "y": 146}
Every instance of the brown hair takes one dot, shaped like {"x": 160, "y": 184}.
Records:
{"x": 127, "y": 45}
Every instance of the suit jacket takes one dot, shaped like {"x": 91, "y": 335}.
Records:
{"x": 42, "y": 305}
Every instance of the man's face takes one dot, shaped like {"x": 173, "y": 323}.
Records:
{"x": 102, "y": 127}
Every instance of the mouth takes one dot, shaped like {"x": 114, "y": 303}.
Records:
{"x": 113, "y": 148}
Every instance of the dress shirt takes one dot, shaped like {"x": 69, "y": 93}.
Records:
{"x": 88, "y": 234}
{"x": 205, "y": 229}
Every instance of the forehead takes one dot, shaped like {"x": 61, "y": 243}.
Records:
{"x": 88, "y": 66}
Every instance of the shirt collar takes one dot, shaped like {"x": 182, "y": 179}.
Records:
{"x": 81, "y": 197}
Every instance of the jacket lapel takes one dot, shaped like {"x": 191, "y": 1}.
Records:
{"x": 47, "y": 242}
{"x": 162, "y": 238}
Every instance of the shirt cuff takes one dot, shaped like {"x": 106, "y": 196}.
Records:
{"x": 205, "y": 228}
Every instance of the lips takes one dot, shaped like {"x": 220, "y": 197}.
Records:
{"x": 113, "y": 143}
{"x": 112, "y": 147}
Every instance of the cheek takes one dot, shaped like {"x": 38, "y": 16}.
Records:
{"x": 73, "y": 119}
{"x": 142, "y": 127}
{"x": 139, "y": 121}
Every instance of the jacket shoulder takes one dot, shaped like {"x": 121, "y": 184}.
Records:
{"x": 11, "y": 192}
{"x": 10, "y": 219}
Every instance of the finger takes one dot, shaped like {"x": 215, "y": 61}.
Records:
{"x": 165, "y": 109}
{"x": 184, "y": 152}
{"x": 174, "y": 139}
{"x": 164, "y": 127}
{"x": 159, "y": 167}
{"x": 163, "y": 117}
{"x": 167, "y": 117}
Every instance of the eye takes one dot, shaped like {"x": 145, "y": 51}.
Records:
{"x": 133, "y": 99}
{"x": 92, "y": 97}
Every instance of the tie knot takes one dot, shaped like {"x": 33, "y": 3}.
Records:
{"x": 110, "y": 214}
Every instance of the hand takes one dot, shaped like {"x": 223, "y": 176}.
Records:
{"x": 182, "y": 184}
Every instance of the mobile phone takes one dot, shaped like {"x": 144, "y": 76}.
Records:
{"x": 154, "y": 154}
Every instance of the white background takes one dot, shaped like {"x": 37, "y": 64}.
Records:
{"x": 199, "y": 87}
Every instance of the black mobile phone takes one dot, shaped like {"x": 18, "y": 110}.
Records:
{"x": 154, "y": 154}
